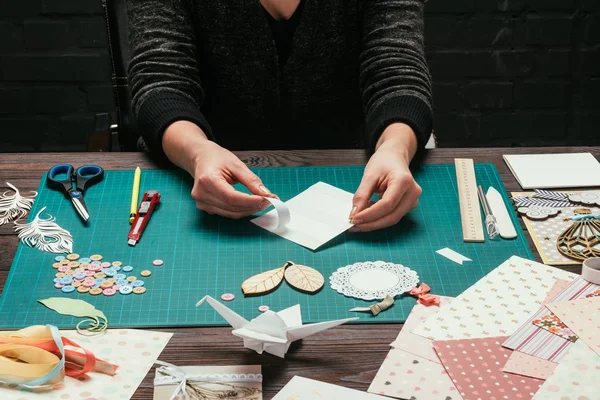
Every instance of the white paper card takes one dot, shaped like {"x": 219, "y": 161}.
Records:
{"x": 300, "y": 388}
{"x": 552, "y": 171}
{"x": 453, "y": 255}
{"x": 316, "y": 216}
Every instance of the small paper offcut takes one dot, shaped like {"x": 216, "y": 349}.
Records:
{"x": 453, "y": 255}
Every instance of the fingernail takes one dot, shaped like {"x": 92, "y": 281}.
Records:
{"x": 354, "y": 229}
{"x": 264, "y": 189}
{"x": 356, "y": 221}
{"x": 352, "y": 212}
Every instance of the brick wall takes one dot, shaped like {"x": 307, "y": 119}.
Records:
{"x": 506, "y": 72}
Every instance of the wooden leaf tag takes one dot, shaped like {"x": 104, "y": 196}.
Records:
{"x": 263, "y": 282}
{"x": 304, "y": 278}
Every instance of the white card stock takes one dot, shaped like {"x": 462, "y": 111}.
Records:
{"x": 453, "y": 255}
{"x": 551, "y": 171}
{"x": 311, "y": 218}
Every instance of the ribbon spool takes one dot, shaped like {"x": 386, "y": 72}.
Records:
{"x": 590, "y": 270}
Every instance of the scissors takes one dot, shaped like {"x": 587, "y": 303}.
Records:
{"x": 83, "y": 177}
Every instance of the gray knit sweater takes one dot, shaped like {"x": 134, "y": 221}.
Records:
{"x": 355, "y": 67}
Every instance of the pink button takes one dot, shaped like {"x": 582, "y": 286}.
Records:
{"x": 117, "y": 287}
{"x": 158, "y": 263}
{"x": 79, "y": 271}
{"x": 88, "y": 283}
{"x": 64, "y": 268}
{"x": 89, "y": 273}
{"x": 58, "y": 285}
{"x": 227, "y": 296}
{"x": 94, "y": 267}
{"x": 109, "y": 292}
{"x": 263, "y": 308}
{"x": 105, "y": 264}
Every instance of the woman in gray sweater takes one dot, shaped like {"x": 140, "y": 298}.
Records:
{"x": 211, "y": 75}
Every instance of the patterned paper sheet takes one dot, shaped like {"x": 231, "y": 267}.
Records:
{"x": 526, "y": 365}
{"x": 583, "y": 317}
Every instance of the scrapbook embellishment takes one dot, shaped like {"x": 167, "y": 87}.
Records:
{"x": 96, "y": 320}
{"x": 590, "y": 198}
{"x": 553, "y": 324}
{"x": 423, "y": 295}
{"x": 580, "y": 240}
{"x": 264, "y": 282}
{"x": 373, "y": 280}
{"x": 538, "y": 212}
{"x": 45, "y": 234}
{"x": 376, "y": 309}
{"x": 550, "y": 195}
{"x": 14, "y": 206}
{"x": 303, "y": 278}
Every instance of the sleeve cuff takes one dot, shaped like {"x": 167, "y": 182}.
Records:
{"x": 163, "y": 108}
{"x": 409, "y": 110}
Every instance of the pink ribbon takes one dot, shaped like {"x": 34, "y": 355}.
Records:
{"x": 423, "y": 296}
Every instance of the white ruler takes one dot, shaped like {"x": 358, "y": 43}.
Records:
{"x": 470, "y": 214}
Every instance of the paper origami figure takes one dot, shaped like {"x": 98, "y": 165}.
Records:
{"x": 272, "y": 332}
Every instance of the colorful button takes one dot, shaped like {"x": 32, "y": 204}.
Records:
{"x": 65, "y": 262}
{"x": 89, "y": 283}
{"x": 69, "y": 272}
{"x": 79, "y": 271}
{"x": 76, "y": 284}
{"x": 126, "y": 290}
{"x": 60, "y": 275}
{"x": 64, "y": 268}
{"x": 122, "y": 282}
{"x": 73, "y": 264}
{"x": 139, "y": 290}
{"x": 58, "y": 285}
{"x": 94, "y": 267}
{"x": 137, "y": 283}
{"x": 96, "y": 262}
{"x": 95, "y": 291}
{"x": 109, "y": 292}
{"x": 127, "y": 268}
{"x": 84, "y": 265}
{"x": 115, "y": 267}
{"x": 83, "y": 289}
{"x": 68, "y": 289}
{"x": 79, "y": 276}
{"x": 263, "y": 308}
{"x": 56, "y": 280}
{"x": 158, "y": 263}
{"x": 105, "y": 264}
{"x": 117, "y": 263}
{"x": 131, "y": 278}
{"x": 85, "y": 260}
{"x": 145, "y": 273}
{"x": 106, "y": 284}
{"x": 109, "y": 271}
{"x": 111, "y": 280}
{"x": 56, "y": 265}
{"x": 59, "y": 258}
{"x": 227, "y": 296}
{"x": 120, "y": 276}
{"x": 117, "y": 287}
{"x": 73, "y": 256}
{"x": 67, "y": 280}
{"x": 96, "y": 257}
{"x": 99, "y": 275}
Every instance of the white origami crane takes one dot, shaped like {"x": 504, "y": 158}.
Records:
{"x": 272, "y": 332}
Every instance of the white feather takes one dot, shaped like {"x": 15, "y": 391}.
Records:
{"x": 14, "y": 206}
{"x": 45, "y": 234}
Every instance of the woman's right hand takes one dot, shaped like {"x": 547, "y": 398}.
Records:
{"x": 215, "y": 170}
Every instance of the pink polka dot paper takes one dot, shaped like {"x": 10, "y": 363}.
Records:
{"x": 475, "y": 366}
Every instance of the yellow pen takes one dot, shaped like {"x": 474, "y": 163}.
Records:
{"x": 135, "y": 193}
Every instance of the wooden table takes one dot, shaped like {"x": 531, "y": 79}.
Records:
{"x": 348, "y": 355}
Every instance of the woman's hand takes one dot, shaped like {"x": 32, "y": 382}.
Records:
{"x": 387, "y": 173}
{"x": 215, "y": 170}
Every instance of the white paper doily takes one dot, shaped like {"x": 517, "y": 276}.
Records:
{"x": 373, "y": 280}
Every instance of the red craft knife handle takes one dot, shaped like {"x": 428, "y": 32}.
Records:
{"x": 149, "y": 202}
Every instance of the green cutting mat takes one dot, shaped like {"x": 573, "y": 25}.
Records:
{"x": 209, "y": 255}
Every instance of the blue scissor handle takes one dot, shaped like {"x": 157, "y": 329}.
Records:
{"x": 61, "y": 184}
{"x": 87, "y": 175}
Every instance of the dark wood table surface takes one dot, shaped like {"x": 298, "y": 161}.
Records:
{"x": 347, "y": 355}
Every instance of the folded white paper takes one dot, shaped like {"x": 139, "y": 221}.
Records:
{"x": 552, "y": 171}
{"x": 311, "y": 218}
{"x": 453, "y": 255}
{"x": 300, "y": 388}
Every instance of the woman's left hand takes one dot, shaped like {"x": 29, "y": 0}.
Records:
{"x": 387, "y": 173}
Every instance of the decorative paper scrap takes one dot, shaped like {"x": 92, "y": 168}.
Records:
{"x": 590, "y": 198}
{"x": 208, "y": 382}
{"x": 316, "y": 216}
{"x": 538, "y": 212}
{"x": 532, "y": 340}
{"x": 559, "y": 286}
{"x": 575, "y": 378}
{"x": 271, "y": 332}
{"x": 550, "y": 195}
{"x": 526, "y": 365}
{"x": 14, "y": 206}
{"x": 134, "y": 351}
{"x": 264, "y": 282}
{"x": 453, "y": 255}
{"x": 406, "y": 376}
{"x": 553, "y": 324}
{"x": 415, "y": 344}
{"x": 497, "y": 304}
{"x": 475, "y": 366}
{"x": 583, "y": 317}
{"x": 78, "y": 308}
{"x": 300, "y": 277}
{"x": 299, "y": 388}
{"x": 45, "y": 234}
{"x": 544, "y": 234}
{"x": 532, "y": 201}
{"x": 373, "y": 280}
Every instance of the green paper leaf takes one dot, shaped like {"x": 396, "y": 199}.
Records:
{"x": 73, "y": 307}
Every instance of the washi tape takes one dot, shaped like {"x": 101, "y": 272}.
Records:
{"x": 590, "y": 271}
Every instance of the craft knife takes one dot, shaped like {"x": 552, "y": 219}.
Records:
{"x": 149, "y": 202}
{"x": 490, "y": 220}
